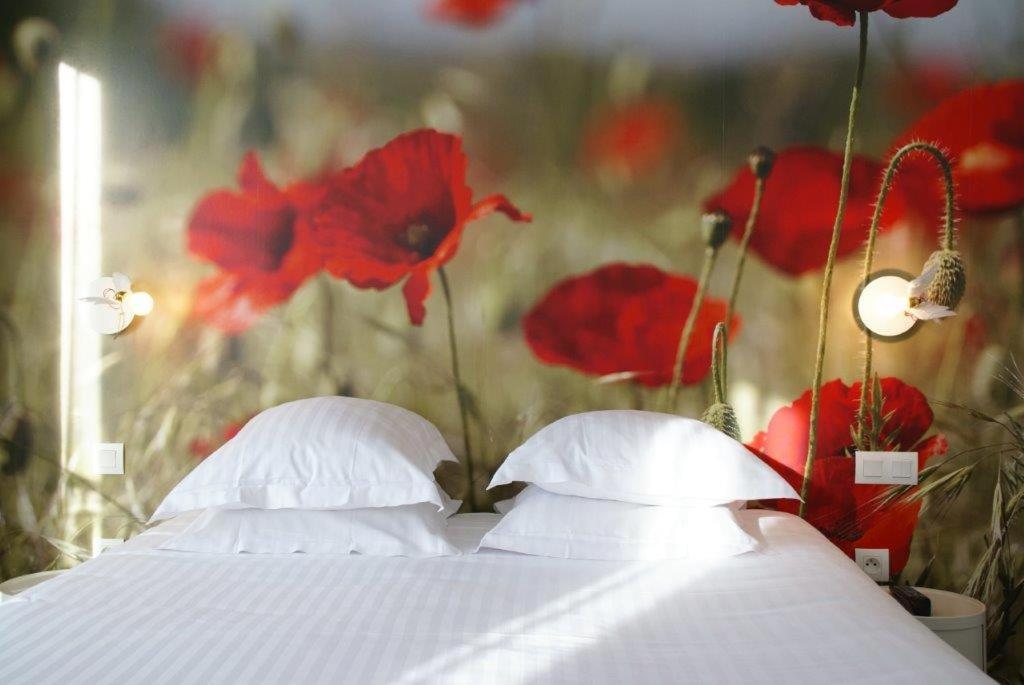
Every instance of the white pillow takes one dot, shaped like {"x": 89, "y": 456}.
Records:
{"x": 549, "y": 525}
{"x": 413, "y": 530}
{"x": 642, "y": 457}
{"x": 320, "y": 453}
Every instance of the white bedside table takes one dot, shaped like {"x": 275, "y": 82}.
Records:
{"x": 22, "y": 583}
{"x": 960, "y": 621}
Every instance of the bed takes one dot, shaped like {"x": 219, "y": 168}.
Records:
{"x": 796, "y": 611}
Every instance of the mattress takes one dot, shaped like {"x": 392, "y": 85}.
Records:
{"x": 798, "y": 611}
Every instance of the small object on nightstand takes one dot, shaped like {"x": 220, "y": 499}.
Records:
{"x": 912, "y": 600}
{"x": 959, "y": 620}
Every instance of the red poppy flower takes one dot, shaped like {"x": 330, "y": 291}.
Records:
{"x": 844, "y": 12}
{"x": 624, "y": 319}
{"x": 201, "y": 448}
{"x": 472, "y": 13}
{"x": 260, "y": 238}
{"x": 399, "y": 214}
{"x": 850, "y": 515}
{"x": 798, "y": 209}
{"x": 983, "y": 129}
{"x": 190, "y": 47}
{"x": 922, "y": 85}
{"x": 632, "y": 139}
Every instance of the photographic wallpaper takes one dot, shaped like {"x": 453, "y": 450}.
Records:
{"x": 496, "y": 213}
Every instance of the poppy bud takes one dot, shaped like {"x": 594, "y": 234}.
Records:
{"x": 35, "y": 43}
{"x": 716, "y": 226}
{"x": 723, "y": 417}
{"x": 761, "y": 160}
{"x": 950, "y": 282}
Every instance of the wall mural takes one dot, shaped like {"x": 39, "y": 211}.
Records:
{"x": 495, "y": 238}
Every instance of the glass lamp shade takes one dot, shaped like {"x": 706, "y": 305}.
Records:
{"x": 140, "y": 303}
{"x": 112, "y": 305}
{"x": 880, "y": 303}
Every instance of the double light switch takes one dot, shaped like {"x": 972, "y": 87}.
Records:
{"x": 886, "y": 468}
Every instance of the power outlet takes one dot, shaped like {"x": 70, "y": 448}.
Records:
{"x": 874, "y": 562}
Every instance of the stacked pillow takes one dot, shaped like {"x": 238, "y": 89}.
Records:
{"x": 627, "y": 484}
{"x": 322, "y": 475}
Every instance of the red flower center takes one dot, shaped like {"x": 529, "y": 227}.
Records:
{"x": 419, "y": 237}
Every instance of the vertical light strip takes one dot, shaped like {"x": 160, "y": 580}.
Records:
{"x": 67, "y": 80}
{"x": 81, "y": 263}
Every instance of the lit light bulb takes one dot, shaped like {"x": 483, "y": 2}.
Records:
{"x": 140, "y": 303}
{"x": 880, "y": 306}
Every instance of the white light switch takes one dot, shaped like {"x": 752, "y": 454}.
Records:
{"x": 874, "y": 468}
{"x": 109, "y": 460}
{"x": 886, "y": 468}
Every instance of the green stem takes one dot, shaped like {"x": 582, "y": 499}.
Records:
{"x": 710, "y": 255}
{"x": 11, "y": 366}
{"x": 460, "y": 391}
{"x": 826, "y": 288}
{"x": 719, "y": 363}
{"x": 948, "y": 235}
{"x": 328, "y": 330}
{"x": 748, "y": 231}
{"x": 1017, "y": 321}
{"x": 88, "y": 485}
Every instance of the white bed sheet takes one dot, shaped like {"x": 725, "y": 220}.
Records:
{"x": 796, "y": 612}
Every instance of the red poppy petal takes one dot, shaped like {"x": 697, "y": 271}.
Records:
{"x": 232, "y": 429}
{"x": 497, "y": 203}
{"x": 798, "y": 208}
{"x": 850, "y": 515}
{"x": 416, "y": 290}
{"x": 234, "y": 301}
{"x": 247, "y": 231}
{"x": 390, "y": 212}
{"x": 251, "y": 178}
{"x": 784, "y": 442}
{"x": 189, "y": 47}
{"x": 200, "y": 448}
{"x": 982, "y": 129}
{"x": 909, "y": 414}
{"x": 471, "y": 13}
{"x": 843, "y": 12}
{"x": 831, "y": 504}
{"x": 890, "y": 527}
{"x": 624, "y": 319}
{"x": 935, "y": 446}
{"x": 490, "y": 204}
{"x": 827, "y": 12}
{"x": 222, "y": 302}
{"x": 355, "y": 256}
{"x": 400, "y": 212}
{"x": 631, "y": 140}
{"x": 303, "y": 260}
{"x": 902, "y": 9}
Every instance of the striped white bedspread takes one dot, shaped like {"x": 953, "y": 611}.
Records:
{"x": 797, "y": 612}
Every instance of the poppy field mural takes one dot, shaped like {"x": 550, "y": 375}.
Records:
{"x": 497, "y": 213}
